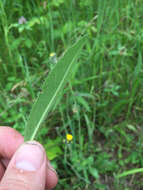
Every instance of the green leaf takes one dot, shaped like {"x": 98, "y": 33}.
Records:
{"x": 84, "y": 103}
{"x": 130, "y": 172}
{"x": 94, "y": 172}
{"x": 52, "y": 89}
{"x": 53, "y": 148}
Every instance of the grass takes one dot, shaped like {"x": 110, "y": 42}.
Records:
{"x": 102, "y": 105}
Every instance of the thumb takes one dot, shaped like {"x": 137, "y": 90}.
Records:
{"x": 27, "y": 169}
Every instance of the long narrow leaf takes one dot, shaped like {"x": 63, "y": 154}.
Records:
{"x": 52, "y": 89}
{"x": 130, "y": 172}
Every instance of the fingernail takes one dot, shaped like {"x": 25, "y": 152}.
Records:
{"x": 29, "y": 157}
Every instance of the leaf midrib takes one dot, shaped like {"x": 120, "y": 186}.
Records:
{"x": 44, "y": 113}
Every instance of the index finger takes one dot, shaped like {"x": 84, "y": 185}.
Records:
{"x": 10, "y": 140}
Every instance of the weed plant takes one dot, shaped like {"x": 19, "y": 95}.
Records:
{"x": 102, "y": 105}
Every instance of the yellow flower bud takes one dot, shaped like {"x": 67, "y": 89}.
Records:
{"x": 52, "y": 54}
{"x": 69, "y": 137}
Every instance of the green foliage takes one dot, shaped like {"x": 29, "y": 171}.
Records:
{"x": 52, "y": 89}
{"x": 53, "y": 148}
{"x": 102, "y": 103}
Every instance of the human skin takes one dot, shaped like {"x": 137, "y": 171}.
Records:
{"x": 23, "y": 166}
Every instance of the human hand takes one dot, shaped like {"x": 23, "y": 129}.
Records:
{"x": 23, "y": 166}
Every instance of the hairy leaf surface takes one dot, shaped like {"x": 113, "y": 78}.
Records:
{"x": 52, "y": 88}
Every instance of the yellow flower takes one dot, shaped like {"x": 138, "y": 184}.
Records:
{"x": 52, "y": 54}
{"x": 69, "y": 137}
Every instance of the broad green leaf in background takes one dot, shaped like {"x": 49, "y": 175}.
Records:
{"x": 52, "y": 89}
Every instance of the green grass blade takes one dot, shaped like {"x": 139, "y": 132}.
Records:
{"x": 52, "y": 89}
{"x": 130, "y": 172}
